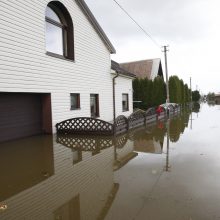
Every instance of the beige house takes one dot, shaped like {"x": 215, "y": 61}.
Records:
{"x": 144, "y": 68}
{"x": 217, "y": 98}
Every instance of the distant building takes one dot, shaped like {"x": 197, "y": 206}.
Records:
{"x": 144, "y": 68}
{"x": 217, "y": 98}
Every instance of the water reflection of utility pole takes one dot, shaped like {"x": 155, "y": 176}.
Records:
{"x": 167, "y": 166}
{"x": 191, "y": 120}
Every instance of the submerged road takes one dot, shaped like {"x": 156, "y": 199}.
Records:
{"x": 189, "y": 190}
{"x": 135, "y": 176}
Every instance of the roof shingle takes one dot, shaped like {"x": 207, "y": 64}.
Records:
{"x": 144, "y": 68}
{"x": 116, "y": 67}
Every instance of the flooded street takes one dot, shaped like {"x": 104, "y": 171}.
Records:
{"x": 139, "y": 175}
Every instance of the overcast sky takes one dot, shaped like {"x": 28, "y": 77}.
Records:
{"x": 191, "y": 28}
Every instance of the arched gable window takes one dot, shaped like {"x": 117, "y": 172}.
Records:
{"x": 59, "y": 31}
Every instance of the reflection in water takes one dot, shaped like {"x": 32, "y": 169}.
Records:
{"x": 84, "y": 190}
{"x": 167, "y": 166}
{"x": 150, "y": 140}
{"x": 72, "y": 177}
{"x": 178, "y": 125}
{"x": 174, "y": 128}
{"x": 196, "y": 107}
{"x": 25, "y": 163}
{"x": 69, "y": 210}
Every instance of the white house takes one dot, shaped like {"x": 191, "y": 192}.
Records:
{"x": 123, "y": 89}
{"x": 54, "y": 65}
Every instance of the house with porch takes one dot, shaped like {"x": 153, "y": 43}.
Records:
{"x": 55, "y": 65}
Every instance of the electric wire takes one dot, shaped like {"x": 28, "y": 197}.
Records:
{"x": 145, "y": 32}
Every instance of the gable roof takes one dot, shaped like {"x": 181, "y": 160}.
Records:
{"x": 116, "y": 67}
{"x": 144, "y": 68}
{"x": 96, "y": 25}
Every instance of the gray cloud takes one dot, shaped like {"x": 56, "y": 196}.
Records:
{"x": 190, "y": 27}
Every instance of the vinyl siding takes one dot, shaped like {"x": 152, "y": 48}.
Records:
{"x": 25, "y": 67}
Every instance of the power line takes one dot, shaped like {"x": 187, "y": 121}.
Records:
{"x": 145, "y": 32}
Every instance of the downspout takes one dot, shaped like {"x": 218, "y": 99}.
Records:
{"x": 114, "y": 110}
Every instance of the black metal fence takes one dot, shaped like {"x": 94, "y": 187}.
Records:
{"x": 91, "y": 126}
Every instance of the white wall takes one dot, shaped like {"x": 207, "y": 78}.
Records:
{"x": 123, "y": 85}
{"x": 24, "y": 66}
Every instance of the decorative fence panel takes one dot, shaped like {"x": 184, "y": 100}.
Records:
{"x": 120, "y": 141}
{"x": 136, "y": 119}
{"x": 171, "y": 110}
{"x": 162, "y": 115}
{"x": 121, "y": 124}
{"x": 85, "y": 125}
{"x": 150, "y": 116}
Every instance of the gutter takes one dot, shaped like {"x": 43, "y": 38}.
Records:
{"x": 114, "y": 110}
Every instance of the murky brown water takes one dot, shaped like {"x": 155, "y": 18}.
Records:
{"x": 135, "y": 176}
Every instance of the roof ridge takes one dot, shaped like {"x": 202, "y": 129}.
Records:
{"x": 141, "y": 60}
{"x": 116, "y": 67}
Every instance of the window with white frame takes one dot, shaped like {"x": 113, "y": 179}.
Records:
{"x": 125, "y": 104}
{"x": 59, "y": 31}
{"x": 74, "y": 101}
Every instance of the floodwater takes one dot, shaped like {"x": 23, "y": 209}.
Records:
{"x": 139, "y": 175}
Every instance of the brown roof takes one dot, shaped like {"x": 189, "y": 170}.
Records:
{"x": 116, "y": 67}
{"x": 141, "y": 69}
{"x": 144, "y": 68}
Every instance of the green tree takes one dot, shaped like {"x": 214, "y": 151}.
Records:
{"x": 196, "y": 96}
{"x": 153, "y": 93}
{"x": 211, "y": 96}
{"x": 158, "y": 91}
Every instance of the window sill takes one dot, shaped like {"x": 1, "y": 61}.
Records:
{"x": 73, "y": 109}
{"x": 95, "y": 116}
{"x": 59, "y": 56}
{"x": 125, "y": 110}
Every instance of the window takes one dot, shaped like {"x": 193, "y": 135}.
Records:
{"x": 94, "y": 105}
{"x": 125, "y": 105}
{"x": 59, "y": 31}
{"x": 54, "y": 32}
{"x": 74, "y": 101}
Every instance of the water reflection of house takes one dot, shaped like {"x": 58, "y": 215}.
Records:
{"x": 150, "y": 140}
{"x": 25, "y": 163}
{"x": 83, "y": 190}
{"x": 148, "y": 146}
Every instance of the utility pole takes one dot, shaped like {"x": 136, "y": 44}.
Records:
{"x": 167, "y": 166}
{"x": 166, "y": 69}
{"x": 191, "y": 89}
